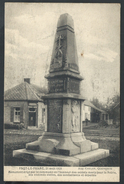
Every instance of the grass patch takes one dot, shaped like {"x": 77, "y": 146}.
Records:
{"x": 109, "y": 131}
{"x": 14, "y": 142}
{"x": 114, "y": 158}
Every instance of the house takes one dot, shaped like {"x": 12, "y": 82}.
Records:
{"x": 92, "y": 113}
{"x": 22, "y": 104}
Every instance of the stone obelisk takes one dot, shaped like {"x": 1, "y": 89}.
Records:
{"x": 64, "y": 134}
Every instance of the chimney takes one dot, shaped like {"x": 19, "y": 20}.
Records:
{"x": 27, "y": 80}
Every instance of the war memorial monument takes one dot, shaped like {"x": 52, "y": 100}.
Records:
{"x": 63, "y": 143}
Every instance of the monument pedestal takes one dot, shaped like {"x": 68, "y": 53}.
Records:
{"x": 64, "y": 142}
{"x": 50, "y": 159}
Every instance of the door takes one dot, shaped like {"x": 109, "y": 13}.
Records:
{"x": 32, "y": 118}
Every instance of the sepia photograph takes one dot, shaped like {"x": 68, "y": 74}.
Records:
{"x": 62, "y": 92}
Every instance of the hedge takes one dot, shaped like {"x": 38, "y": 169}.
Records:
{"x": 14, "y": 126}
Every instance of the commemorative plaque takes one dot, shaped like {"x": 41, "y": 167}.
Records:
{"x": 56, "y": 85}
{"x": 65, "y": 84}
{"x": 74, "y": 86}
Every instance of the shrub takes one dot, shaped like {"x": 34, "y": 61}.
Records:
{"x": 103, "y": 123}
{"x": 14, "y": 126}
{"x": 21, "y": 126}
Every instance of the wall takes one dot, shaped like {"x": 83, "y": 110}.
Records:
{"x": 86, "y": 109}
{"x": 6, "y": 113}
{"x": 26, "y": 114}
{"x": 42, "y": 117}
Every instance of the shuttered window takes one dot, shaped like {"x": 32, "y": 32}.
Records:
{"x": 17, "y": 114}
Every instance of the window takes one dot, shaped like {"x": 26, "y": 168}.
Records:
{"x": 17, "y": 114}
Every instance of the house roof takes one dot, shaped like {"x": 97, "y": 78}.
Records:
{"x": 88, "y": 103}
{"x": 24, "y": 91}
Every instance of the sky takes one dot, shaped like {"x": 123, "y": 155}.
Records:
{"x": 29, "y": 35}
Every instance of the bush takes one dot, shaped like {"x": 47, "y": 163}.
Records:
{"x": 103, "y": 123}
{"x": 116, "y": 125}
{"x": 21, "y": 126}
{"x": 14, "y": 126}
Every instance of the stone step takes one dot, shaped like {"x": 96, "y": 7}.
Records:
{"x": 61, "y": 160}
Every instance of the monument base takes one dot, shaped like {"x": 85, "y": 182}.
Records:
{"x": 62, "y": 144}
{"x": 58, "y": 149}
{"x": 82, "y": 159}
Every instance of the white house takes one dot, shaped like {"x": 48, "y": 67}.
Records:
{"x": 92, "y": 113}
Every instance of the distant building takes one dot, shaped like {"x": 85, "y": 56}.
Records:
{"x": 92, "y": 113}
{"x": 116, "y": 114}
{"x": 23, "y": 104}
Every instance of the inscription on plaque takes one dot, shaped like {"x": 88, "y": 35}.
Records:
{"x": 56, "y": 85}
{"x": 75, "y": 116}
{"x": 74, "y": 86}
{"x": 55, "y": 116}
